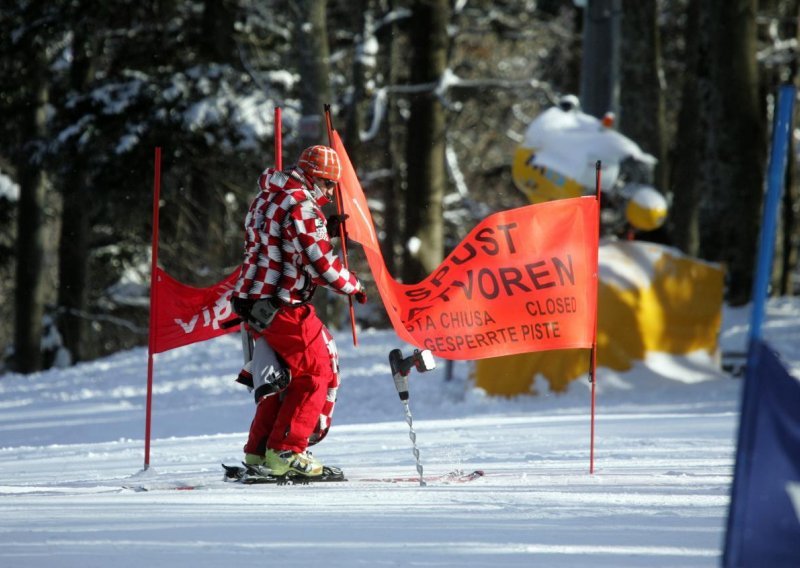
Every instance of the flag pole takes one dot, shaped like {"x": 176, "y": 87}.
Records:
{"x": 342, "y": 229}
{"x": 278, "y": 139}
{"x": 593, "y": 362}
{"x": 151, "y": 347}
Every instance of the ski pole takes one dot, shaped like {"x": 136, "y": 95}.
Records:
{"x": 342, "y": 228}
{"x": 401, "y": 367}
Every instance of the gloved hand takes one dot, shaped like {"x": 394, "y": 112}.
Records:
{"x": 361, "y": 294}
{"x": 334, "y": 224}
{"x": 242, "y": 307}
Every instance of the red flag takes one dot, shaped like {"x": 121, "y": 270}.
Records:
{"x": 187, "y": 315}
{"x": 522, "y": 280}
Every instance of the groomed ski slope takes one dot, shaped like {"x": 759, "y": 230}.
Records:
{"x": 72, "y": 491}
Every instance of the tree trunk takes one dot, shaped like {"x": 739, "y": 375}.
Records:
{"x": 738, "y": 145}
{"x": 790, "y": 237}
{"x": 30, "y": 233}
{"x": 313, "y": 61}
{"x": 690, "y": 163}
{"x": 425, "y": 146}
{"x": 218, "y": 32}
{"x": 354, "y": 123}
{"x": 789, "y": 242}
{"x": 73, "y": 249}
{"x": 73, "y": 259}
{"x": 315, "y": 91}
{"x": 393, "y": 212}
{"x": 641, "y": 108}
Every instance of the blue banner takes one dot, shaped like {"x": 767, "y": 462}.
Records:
{"x": 764, "y": 516}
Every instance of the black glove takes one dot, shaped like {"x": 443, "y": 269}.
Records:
{"x": 361, "y": 295}
{"x": 242, "y": 307}
{"x": 334, "y": 222}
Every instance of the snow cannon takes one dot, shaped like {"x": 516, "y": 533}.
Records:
{"x": 561, "y": 147}
{"x": 422, "y": 361}
{"x": 646, "y": 209}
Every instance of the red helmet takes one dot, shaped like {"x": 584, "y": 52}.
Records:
{"x": 321, "y": 162}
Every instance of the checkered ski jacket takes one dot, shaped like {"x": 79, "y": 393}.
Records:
{"x": 287, "y": 250}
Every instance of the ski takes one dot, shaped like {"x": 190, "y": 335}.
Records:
{"x": 459, "y": 476}
{"x": 254, "y": 474}
{"x": 455, "y": 476}
{"x": 162, "y": 487}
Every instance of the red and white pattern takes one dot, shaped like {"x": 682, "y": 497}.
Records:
{"x": 326, "y": 415}
{"x": 287, "y": 248}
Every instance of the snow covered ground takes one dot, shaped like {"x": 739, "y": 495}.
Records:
{"x": 71, "y": 455}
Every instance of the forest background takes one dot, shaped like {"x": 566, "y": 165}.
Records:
{"x": 431, "y": 98}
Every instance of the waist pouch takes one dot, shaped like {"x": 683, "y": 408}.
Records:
{"x": 262, "y": 313}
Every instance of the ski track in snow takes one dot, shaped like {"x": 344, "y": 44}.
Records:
{"x": 71, "y": 454}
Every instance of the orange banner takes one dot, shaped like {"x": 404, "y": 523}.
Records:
{"x": 522, "y": 280}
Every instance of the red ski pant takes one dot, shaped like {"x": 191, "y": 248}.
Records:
{"x": 287, "y": 420}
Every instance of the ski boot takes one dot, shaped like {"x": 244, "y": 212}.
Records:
{"x": 287, "y": 462}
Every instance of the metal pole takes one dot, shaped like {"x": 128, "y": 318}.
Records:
{"x": 413, "y": 436}
{"x": 600, "y": 64}
{"x": 423, "y": 361}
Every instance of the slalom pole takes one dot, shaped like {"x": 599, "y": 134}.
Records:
{"x": 342, "y": 228}
{"x": 151, "y": 347}
{"x": 278, "y": 127}
{"x": 593, "y": 361}
{"x": 776, "y": 174}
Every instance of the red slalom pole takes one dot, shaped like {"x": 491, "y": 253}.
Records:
{"x": 151, "y": 347}
{"x": 278, "y": 126}
{"x": 593, "y": 363}
{"x": 342, "y": 228}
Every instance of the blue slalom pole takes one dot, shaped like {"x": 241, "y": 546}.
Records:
{"x": 775, "y": 177}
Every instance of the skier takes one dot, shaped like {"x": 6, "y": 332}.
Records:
{"x": 287, "y": 255}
